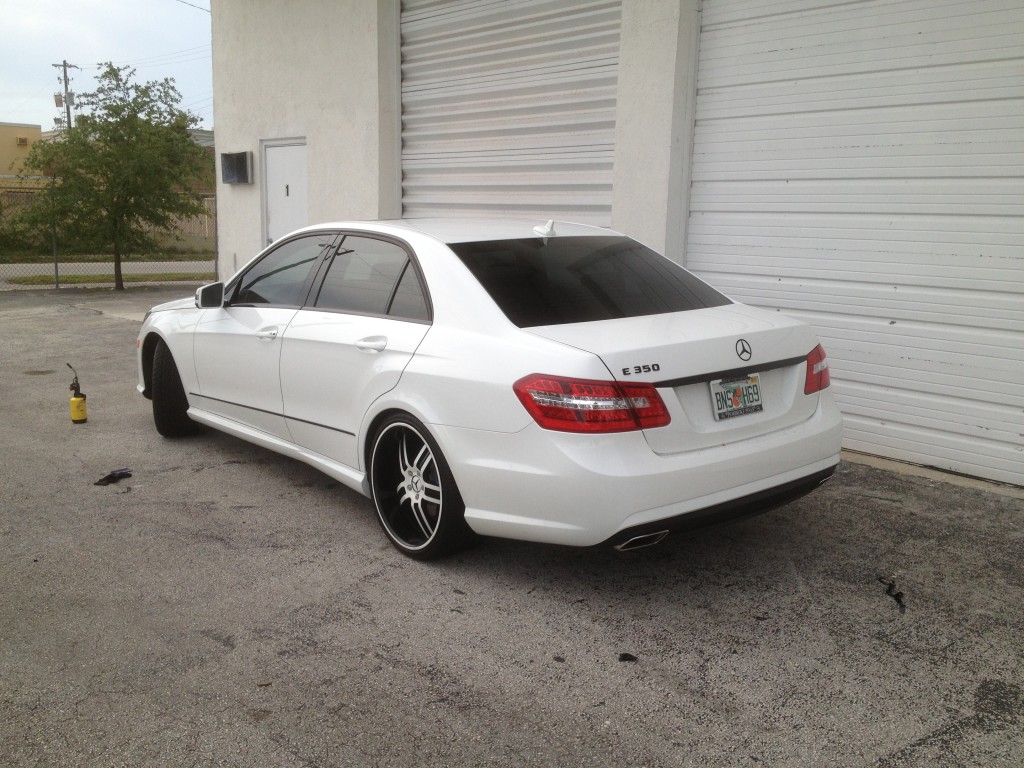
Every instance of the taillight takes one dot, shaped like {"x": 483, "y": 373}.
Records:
{"x": 583, "y": 405}
{"x": 817, "y": 371}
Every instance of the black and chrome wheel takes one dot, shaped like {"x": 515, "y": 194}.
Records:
{"x": 170, "y": 405}
{"x": 418, "y": 503}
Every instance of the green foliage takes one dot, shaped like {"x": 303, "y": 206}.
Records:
{"x": 124, "y": 173}
{"x": 17, "y": 237}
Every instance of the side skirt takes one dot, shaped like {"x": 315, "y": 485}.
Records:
{"x": 345, "y": 475}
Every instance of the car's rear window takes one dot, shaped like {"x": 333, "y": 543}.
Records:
{"x": 552, "y": 281}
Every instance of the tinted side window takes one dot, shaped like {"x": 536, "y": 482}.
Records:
{"x": 409, "y": 301}
{"x": 280, "y": 277}
{"x": 581, "y": 279}
{"x": 373, "y": 277}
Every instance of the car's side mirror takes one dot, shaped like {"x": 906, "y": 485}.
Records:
{"x": 209, "y": 296}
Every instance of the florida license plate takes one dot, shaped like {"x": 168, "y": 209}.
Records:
{"x": 736, "y": 397}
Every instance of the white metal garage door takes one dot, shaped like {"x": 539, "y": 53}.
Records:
{"x": 861, "y": 165}
{"x": 509, "y": 107}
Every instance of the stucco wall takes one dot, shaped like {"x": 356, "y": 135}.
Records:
{"x": 654, "y": 121}
{"x": 315, "y": 70}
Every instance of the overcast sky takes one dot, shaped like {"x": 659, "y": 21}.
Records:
{"x": 160, "y": 38}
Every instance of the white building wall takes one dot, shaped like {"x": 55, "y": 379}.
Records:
{"x": 318, "y": 71}
{"x": 905, "y": 225}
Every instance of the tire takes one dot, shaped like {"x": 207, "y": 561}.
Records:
{"x": 170, "y": 406}
{"x": 418, "y": 504}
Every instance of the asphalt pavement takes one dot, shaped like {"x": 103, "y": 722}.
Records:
{"x": 225, "y": 606}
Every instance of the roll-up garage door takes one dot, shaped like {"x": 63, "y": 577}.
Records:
{"x": 509, "y": 107}
{"x": 861, "y": 165}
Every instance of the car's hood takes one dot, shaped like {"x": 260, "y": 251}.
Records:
{"x": 186, "y": 303}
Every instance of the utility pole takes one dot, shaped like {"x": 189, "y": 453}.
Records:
{"x": 68, "y": 97}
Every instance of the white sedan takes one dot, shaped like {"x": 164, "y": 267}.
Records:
{"x": 550, "y": 382}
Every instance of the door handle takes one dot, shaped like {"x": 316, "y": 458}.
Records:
{"x": 372, "y": 344}
{"x": 267, "y": 334}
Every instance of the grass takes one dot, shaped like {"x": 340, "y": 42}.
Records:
{"x": 155, "y": 277}
{"x": 27, "y": 257}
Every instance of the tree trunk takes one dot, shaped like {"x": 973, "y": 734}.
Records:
{"x": 118, "y": 278}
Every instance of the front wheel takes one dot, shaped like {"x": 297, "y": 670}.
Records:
{"x": 418, "y": 503}
{"x": 170, "y": 405}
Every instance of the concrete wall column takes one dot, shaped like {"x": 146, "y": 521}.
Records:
{"x": 654, "y": 121}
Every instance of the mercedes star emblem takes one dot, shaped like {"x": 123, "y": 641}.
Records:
{"x": 743, "y": 350}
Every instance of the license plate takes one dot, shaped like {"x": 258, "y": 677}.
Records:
{"x": 736, "y": 397}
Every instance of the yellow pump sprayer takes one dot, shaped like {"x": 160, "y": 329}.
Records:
{"x": 78, "y": 412}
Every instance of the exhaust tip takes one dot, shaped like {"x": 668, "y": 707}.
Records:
{"x": 645, "y": 540}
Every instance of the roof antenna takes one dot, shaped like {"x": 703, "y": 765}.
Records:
{"x": 547, "y": 230}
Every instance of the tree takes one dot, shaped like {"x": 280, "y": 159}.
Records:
{"x": 126, "y": 171}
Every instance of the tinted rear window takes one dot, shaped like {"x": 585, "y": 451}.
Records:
{"x": 579, "y": 279}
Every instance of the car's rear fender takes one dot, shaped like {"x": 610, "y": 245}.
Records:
{"x": 463, "y": 379}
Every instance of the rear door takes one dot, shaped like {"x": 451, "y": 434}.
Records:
{"x": 366, "y": 315}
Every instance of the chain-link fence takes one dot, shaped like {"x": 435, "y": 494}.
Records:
{"x": 189, "y": 256}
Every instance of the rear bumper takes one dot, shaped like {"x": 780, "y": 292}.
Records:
{"x": 736, "y": 509}
{"x": 585, "y": 490}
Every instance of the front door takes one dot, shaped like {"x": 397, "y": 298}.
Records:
{"x": 238, "y": 346}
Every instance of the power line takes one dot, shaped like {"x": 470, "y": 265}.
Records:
{"x": 171, "y": 64}
{"x": 174, "y": 57}
{"x": 197, "y": 7}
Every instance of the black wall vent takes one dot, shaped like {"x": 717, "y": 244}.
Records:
{"x": 236, "y": 167}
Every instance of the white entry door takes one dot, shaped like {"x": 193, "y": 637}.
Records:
{"x": 285, "y": 189}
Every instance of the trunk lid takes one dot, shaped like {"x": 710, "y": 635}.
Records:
{"x": 758, "y": 356}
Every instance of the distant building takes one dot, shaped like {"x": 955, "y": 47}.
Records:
{"x": 204, "y": 138}
{"x": 15, "y": 141}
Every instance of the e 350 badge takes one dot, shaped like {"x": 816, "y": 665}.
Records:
{"x": 638, "y": 369}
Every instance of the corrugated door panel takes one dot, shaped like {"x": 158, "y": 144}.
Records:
{"x": 861, "y": 165}
{"x": 509, "y": 108}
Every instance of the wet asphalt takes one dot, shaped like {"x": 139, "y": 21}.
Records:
{"x": 225, "y": 606}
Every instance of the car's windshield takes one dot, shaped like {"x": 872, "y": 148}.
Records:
{"x": 552, "y": 281}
